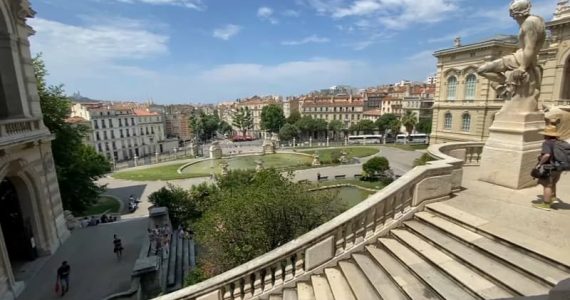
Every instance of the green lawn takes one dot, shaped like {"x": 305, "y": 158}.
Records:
{"x": 365, "y": 184}
{"x": 105, "y": 204}
{"x": 280, "y": 161}
{"x": 407, "y": 147}
{"x": 326, "y": 155}
{"x": 157, "y": 173}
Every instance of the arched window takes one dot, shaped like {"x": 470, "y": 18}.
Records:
{"x": 448, "y": 121}
{"x": 466, "y": 122}
{"x": 470, "y": 86}
{"x": 451, "y": 88}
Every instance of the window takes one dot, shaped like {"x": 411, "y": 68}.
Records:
{"x": 466, "y": 122}
{"x": 470, "y": 86}
{"x": 112, "y": 134}
{"x": 103, "y": 124}
{"x": 120, "y": 123}
{"x": 100, "y": 147}
{"x": 128, "y": 133}
{"x": 121, "y": 133}
{"x": 97, "y": 135}
{"x": 105, "y": 134}
{"x": 451, "y": 88}
{"x": 448, "y": 121}
{"x": 96, "y": 124}
{"x": 110, "y": 123}
{"x": 133, "y": 121}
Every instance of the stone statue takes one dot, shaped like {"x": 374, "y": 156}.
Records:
{"x": 316, "y": 160}
{"x": 259, "y": 165}
{"x": 517, "y": 77}
{"x": 275, "y": 140}
{"x": 215, "y": 150}
{"x": 268, "y": 147}
{"x": 343, "y": 157}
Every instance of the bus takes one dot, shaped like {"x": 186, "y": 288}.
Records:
{"x": 365, "y": 139}
{"x": 416, "y": 138}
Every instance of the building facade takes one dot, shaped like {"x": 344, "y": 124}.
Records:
{"x": 122, "y": 133}
{"x": 177, "y": 126}
{"x": 290, "y": 105}
{"x": 32, "y": 221}
{"x": 255, "y": 106}
{"x": 345, "y": 108}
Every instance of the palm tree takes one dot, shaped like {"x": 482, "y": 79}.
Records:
{"x": 409, "y": 120}
{"x": 243, "y": 120}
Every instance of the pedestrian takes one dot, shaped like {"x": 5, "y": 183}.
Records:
{"x": 118, "y": 246}
{"x": 63, "y": 273}
{"x": 546, "y": 161}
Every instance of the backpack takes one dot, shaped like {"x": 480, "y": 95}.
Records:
{"x": 562, "y": 155}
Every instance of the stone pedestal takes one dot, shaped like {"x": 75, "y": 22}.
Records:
{"x": 215, "y": 151}
{"x": 268, "y": 147}
{"x": 512, "y": 149}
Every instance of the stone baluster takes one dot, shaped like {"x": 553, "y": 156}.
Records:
{"x": 247, "y": 288}
{"x": 339, "y": 240}
{"x": 299, "y": 263}
{"x": 278, "y": 274}
{"x": 237, "y": 291}
{"x": 268, "y": 279}
{"x": 359, "y": 228}
{"x": 227, "y": 292}
{"x": 389, "y": 209}
{"x": 349, "y": 235}
{"x": 257, "y": 287}
{"x": 370, "y": 219}
{"x": 379, "y": 216}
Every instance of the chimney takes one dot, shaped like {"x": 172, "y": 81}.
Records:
{"x": 457, "y": 42}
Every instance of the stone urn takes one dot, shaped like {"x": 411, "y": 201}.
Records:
{"x": 215, "y": 150}
{"x": 343, "y": 157}
{"x": 258, "y": 165}
{"x": 268, "y": 147}
{"x": 316, "y": 160}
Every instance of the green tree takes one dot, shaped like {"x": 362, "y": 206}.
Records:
{"x": 288, "y": 132}
{"x": 305, "y": 126}
{"x": 272, "y": 118}
{"x": 424, "y": 126}
{"x": 366, "y": 126}
{"x": 335, "y": 126}
{"x": 204, "y": 126}
{"x": 243, "y": 120}
{"x": 409, "y": 120}
{"x": 77, "y": 165}
{"x": 255, "y": 213}
{"x": 376, "y": 166}
{"x": 386, "y": 122}
{"x": 294, "y": 117}
{"x": 225, "y": 128}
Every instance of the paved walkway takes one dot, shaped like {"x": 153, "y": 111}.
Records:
{"x": 95, "y": 271}
{"x": 400, "y": 161}
{"x": 510, "y": 213}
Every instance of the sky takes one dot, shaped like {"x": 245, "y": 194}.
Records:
{"x": 209, "y": 51}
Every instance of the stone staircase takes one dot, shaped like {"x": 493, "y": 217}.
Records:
{"x": 439, "y": 254}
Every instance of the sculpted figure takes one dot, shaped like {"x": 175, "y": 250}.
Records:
{"x": 517, "y": 76}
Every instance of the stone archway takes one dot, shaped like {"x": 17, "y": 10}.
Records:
{"x": 565, "y": 84}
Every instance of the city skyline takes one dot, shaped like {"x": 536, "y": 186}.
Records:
{"x": 182, "y": 51}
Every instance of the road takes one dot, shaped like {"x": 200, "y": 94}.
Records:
{"x": 95, "y": 270}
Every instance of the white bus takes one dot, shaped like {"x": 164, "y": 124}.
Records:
{"x": 416, "y": 138}
{"x": 365, "y": 139}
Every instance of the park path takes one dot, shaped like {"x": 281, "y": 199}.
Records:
{"x": 401, "y": 161}
{"x": 95, "y": 271}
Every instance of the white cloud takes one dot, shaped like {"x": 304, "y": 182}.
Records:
{"x": 310, "y": 39}
{"x": 291, "y": 13}
{"x": 227, "y": 32}
{"x": 192, "y": 4}
{"x": 266, "y": 14}
{"x": 358, "y": 8}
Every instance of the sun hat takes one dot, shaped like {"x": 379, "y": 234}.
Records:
{"x": 550, "y": 131}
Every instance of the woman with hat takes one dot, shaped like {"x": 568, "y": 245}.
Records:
{"x": 546, "y": 158}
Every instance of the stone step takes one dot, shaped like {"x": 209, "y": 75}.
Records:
{"x": 321, "y": 288}
{"x": 400, "y": 275}
{"x": 541, "y": 250}
{"x": 468, "y": 278}
{"x": 339, "y": 286}
{"x": 512, "y": 256}
{"x": 275, "y": 297}
{"x": 305, "y": 291}
{"x": 378, "y": 278}
{"x": 360, "y": 285}
{"x": 439, "y": 282}
{"x": 290, "y": 294}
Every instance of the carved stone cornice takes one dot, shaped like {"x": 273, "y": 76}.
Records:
{"x": 25, "y": 10}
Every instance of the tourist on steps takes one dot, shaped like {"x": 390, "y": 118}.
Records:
{"x": 546, "y": 159}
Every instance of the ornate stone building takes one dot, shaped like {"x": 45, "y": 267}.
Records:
{"x": 31, "y": 214}
{"x": 464, "y": 102}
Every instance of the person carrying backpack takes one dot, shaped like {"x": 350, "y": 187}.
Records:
{"x": 554, "y": 158}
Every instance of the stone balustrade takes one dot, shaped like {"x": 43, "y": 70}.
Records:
{"x": 16, "y": 129}
{"x": 343, "y": 235}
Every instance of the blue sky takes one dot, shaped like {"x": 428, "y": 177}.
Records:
{"x": 208, "y": 51}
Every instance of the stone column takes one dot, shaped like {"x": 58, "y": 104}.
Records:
{"x": 328, "y": 141}
{"x": 512, "y": 149}
{"x": 294, "y": 143}
{"x": 310, "y": 141}
{"x": 136, "y": 160}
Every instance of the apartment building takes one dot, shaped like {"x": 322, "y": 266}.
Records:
{"x": 122, "y": 132}
{"x": 345, "y": 108}
{"x": 255, "y": 106}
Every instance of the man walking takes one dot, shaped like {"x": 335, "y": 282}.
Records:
{"x": 63, "y": 277}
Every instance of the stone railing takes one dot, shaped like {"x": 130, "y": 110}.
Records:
{"x": 469, "y": 152}
{"x": 338, "y": 238}
{"x": 14, "y": 129}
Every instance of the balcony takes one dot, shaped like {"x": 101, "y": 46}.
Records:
{"x": 20, "y": 130}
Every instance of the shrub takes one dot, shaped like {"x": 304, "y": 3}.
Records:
{"x": 376, "y": 166}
